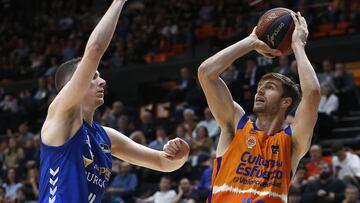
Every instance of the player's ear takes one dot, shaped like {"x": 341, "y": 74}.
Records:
{"x": 286, "y": 102}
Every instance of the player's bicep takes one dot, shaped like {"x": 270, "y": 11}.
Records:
{"x": 220, "y": 100}
{"x": 126, "y": 149}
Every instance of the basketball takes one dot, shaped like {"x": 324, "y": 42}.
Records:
{"x": 275, "y": 28}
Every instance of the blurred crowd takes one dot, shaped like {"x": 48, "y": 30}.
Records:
{"x": 47, "y": 33}
{"x": 36, "y": 36}
{"x": 184, "y": 113}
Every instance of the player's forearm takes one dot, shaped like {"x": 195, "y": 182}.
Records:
{"x": 218, "y": 63}
{"x": 308, "y": 81}
{"x": 102, "y": 34}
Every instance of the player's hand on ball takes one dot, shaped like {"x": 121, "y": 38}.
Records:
{"x": 301, "y": 32}
{"x": 262, "y": 48}
{"x": 176, "y": 149}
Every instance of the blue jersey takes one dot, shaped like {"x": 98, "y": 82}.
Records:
{"x": 77, "y": 171}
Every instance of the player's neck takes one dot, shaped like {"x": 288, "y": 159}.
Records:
{"x": 269, "y": 123}
{"x": 88, "y": 114}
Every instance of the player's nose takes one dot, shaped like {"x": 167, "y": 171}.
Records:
{"x": 102, "y": 82}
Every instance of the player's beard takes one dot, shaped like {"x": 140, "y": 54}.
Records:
{"x": 266, "y": 107}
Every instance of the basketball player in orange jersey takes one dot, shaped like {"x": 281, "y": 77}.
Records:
{"x": 256, "y": 159}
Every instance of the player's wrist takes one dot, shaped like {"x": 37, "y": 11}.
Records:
{"x": 253, "y": 41}
{"x": 298, "y": 45}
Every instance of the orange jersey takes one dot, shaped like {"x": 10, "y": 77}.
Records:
{"x": 256, "y": 168}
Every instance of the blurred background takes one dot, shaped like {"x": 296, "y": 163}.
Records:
{"x": 153, "y": 94}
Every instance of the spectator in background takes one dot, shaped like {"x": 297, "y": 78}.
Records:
{"x": 2, "y": 194}
{"x": 184, "y": 85}
{"x": 11, "y": 185}
{"x": 181, "y": 133}
{"x": 23, "y": 132}
{"x": 299, "y": 181}
{"x": 253, "y": 75}
{"x": 326, "y": 76}
{"x": 21, "y": 196}
{"x": 138, "y": 137}
{"x": 194, "y": 99}
{"x": 189, "y": 121}
{"x": 294, "y": 74}
{"x": 41, "y": 93}
{"x": 14, "y": 154}
{"x": 122, "y": 124}
{"x": 345, "y": 88}
{"x": 161, "y": 138}
{"x": 123, "y": 186}
{"x": 283, "y": 67}
{"x": 294, "y": 195}
{"x": 346, "y": 165}
{"x": 146, "y": 124}
{"x": 328, "y": 107}
{"x": 210, "y": 124}
{"x": 30, "y": 185}
{"x": 30, "y": 153}
{"x": 352, "y": 195}
{"x": 316, "y": 157}
{"x": 9, "y": 104}
{"x": 205, "y": 163}
{"x": 111, "y": 115}
{"x": 164, "y": 195}
{"x": 326, "y": 188}
{"x": 186, "y": 193}
{"x": 202, "y": 141}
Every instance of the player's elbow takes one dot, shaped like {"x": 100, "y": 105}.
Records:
{"x": 204, "y": 71}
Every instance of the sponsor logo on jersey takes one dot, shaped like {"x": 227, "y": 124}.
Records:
{"x": 105, "y": 148}
{"x": 251, "y": 142}
{"x": 275, "y": 149}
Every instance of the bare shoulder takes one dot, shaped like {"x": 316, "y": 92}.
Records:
{"x": 59, "y": 127}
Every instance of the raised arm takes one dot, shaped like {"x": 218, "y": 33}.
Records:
{"x": 74, "y": 91}
{"x": 218, "y": 96}
{"x": 306, "y": 114}
{"x": 175, "y": 152}
{"x": 227, "y": 112}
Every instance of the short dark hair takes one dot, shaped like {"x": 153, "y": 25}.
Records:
{"x": 290, "y": 89}
{"x": 64, "y": 73}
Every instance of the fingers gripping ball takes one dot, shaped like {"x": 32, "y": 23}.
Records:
{"x": 275, "y": 28}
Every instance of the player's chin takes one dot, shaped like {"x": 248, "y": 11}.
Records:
{"x": 258, "y": 108}
{"x": 99, "y": 102}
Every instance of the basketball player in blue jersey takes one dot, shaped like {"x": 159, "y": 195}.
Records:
{"x": 75, "y": 151}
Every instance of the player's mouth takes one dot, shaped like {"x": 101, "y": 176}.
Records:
{"x": 259, "y": 100}
{"x": 100, "y": 92}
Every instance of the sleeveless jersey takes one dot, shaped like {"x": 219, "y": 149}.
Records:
{"x": 77, "y": 171}
{"x": 256, "y": 168}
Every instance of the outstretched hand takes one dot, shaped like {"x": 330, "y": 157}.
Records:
{"x": 301, "y": 32}
{"x": 262, "y": 48}
{"x": 176, "y": 149}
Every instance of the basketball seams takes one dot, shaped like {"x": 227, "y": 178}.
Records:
{"x": 287, "y": 37}
{"x": 262, "y": 26}
{"x": 276, "y": 31}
